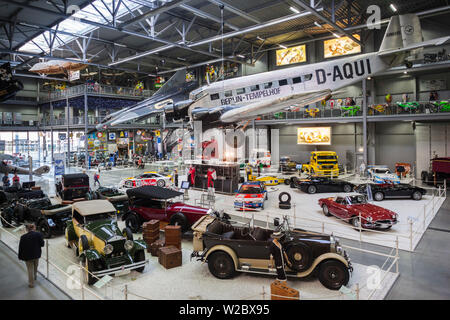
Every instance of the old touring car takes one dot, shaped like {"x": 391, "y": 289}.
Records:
{"x": 104, "y": 249}
{"x": 229, "y": 249}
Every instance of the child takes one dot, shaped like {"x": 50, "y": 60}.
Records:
{"x": 96, "y": 179}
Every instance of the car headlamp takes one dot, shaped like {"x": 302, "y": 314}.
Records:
{"x": 339, "y": 250}
{"x": 369, "y": 219}
{"x": 108, "y": 249}
{"x": 128, "y": 245}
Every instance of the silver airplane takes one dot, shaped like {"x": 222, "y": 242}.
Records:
{"x": 9, "y": 168}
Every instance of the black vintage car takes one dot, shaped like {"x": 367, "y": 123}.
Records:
{"x": 323, "y": 184}
{"x": 49, "y": 218}
{"x": 118, "y": 199}
{"x": 73, "y": 186}
{"x": 392, "y": 191}
{"x": 229, "y": 249}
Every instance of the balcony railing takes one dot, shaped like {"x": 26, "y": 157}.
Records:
{"x": 92, "y": 121}
{"x": 98, "y": 89}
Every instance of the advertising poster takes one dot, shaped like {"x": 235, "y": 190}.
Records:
{"x": 291, "y": 55}
{"x": 340, "y": 47}
{"x": 59, "y": 164}
{"x": 314, "y": 135}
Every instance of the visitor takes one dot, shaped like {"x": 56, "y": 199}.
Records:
{"x": 30, "y": 245}
{"x": 175, "y": 178}
{"x": 97, "y": 179}
{"x": 5, "y": 180}
{"x": 16, "y": 181}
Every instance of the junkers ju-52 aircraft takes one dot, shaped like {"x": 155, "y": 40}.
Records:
{"x": 234, "y": 100}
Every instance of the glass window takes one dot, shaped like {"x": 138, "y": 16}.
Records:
{"x": 228, "y": 93}
{"x": 214, "y": 96}
{"x": 283, "y": 82}
{"x": 240, "y": 91}
{"x": 297, "y": 80}
{"x": 308, "y": 77}
{"x": 254, "y": 88}
{"x": 267, "y": 85}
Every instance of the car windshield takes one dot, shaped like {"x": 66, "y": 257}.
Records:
{"x": 100, "y": 216}
{"x": 326, "y": 157}
{"x": 356, "y": 199}
{"x": 382, "y": 170}
{"x": 248, "y": 189}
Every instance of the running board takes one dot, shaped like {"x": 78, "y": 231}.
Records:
{"x": 270, "y": 271}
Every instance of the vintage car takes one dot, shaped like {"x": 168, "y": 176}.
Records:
{"x": 153, "y": 202}
{"x": 382, "y": 174}
{"x": 359, "y": 213}
{"x": 104, "y": 249}
{"x": 73, "y": 186}
{"x": 286, "y": 165}
{"x": 113, "y": 195}
{"x": 251, "y": 195}
{"x": 150, "y": 178}
{"x": 229, "y": 249}
{"x": 323, "y": 184}
{"x": 49, "y": 218}
{"x": 392, "y": 191}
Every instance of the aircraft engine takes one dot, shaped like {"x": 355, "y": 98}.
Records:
{"x": 177, "y": 111}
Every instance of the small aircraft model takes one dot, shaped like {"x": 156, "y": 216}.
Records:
{"x": 9, "y": 168}
{"x": 57, "y": 67}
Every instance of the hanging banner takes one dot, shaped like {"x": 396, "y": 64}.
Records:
{"x": 59, "y": 164}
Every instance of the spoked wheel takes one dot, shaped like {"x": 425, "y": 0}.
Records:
{"x": 221, "y": 265}
{"x": 355, "y": 222}
{"x": 161, "y": 183}
{"x": 378, "y": 196}
{"x": 417, "y": 195}
{"x": 326, "y": 211}
{"x": 312, "y": 189}
{"x": 44, "y": 228}
{"x": 333, "y": 274}
{"x": 89, "y": 268}
{"x": 347, "y": 188}
{"x": 132, "y": 222}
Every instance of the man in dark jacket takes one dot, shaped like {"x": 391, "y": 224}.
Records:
{"x": 30, "y": 251}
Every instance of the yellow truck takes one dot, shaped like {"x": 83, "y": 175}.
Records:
{"x": 322, "y": 163}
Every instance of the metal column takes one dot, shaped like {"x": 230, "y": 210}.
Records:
{"x": 86, "y": 155}
{"x": 68, "y": 137}
{"x": 51, "y": 129}
{"x": 364, "y": 107}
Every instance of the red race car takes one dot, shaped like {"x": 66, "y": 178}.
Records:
{"x": 153, "y": 202}
{"x": 349, "y": 208}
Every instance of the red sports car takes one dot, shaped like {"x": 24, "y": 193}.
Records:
{"x": 349, "y": 209}
{"x": 153, "y": 202}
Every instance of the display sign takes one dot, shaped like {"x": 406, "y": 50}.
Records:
{"x": 74, "y": 75}
{"x": 340, "y": 46}
{"x": 62, "y": 136}
{"x": 314, "y": 135}
{"x": 434, "y": 84}
{"x": 112, "y": 136}
{"x": 59, "y": 164}
{"x": 291, "y": 55}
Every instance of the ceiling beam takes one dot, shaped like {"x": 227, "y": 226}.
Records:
{"x": 235, "y": 10}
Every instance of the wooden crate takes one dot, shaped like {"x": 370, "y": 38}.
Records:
{"x": 151, "y": 225}
{"x": 170, "y": 257}
{"x": 154, "y": 247}
{"x": 279, "y": 290}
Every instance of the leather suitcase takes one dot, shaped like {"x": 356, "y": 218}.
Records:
{"x": 151, "y": 225}
{"x": 279, "y": 290}
{"x": 154, "y": 247}
{"x": 173, "y": 236}
{"x": 170, "y": 257}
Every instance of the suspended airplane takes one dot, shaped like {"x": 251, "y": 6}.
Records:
{"x": 8, "y": 85}
{"x": 170, "y": 99}
{"x": 9, "y": 168}
{"x": 57, "y": 67}
{"x": 235, "y": 100}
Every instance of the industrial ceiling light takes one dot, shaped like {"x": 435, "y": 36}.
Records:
{"x": 295, "y": 10}
{"x": 281, "y": 46}
{"x": 336, "y": 35}
{"x": 317, "y": 24}
{"x": 393, "y": 8}
{"x": 259, "y": 38}
{"x": 182, "y": 59}
{"x": 240, "y": 56}
{"x": 405, "y": 72}
{"x": 369, "y": 78}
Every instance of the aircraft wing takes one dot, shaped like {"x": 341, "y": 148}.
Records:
{"x": 250, "y": 111}
{"x": 413, "y": 46}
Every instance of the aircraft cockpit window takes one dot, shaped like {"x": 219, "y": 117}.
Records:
{"x": 307, "y": 77}
{"x": 214, "y": 96}
{"x": 267, "y": 85}
{"x": 240, "y": 91}
{"x": 296, "y": 80}
{"x": 283, "y": 82}
{"x": 254, "y": 88}
{"x": 228, "y": 93}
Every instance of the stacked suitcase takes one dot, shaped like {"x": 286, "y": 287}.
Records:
{"x": 150, "y": 232}
{"x": 155, "y": 247}
{"x": 280, "y": 291}
{"x": 173, "y": 236}
{"x": 169, "y": 257}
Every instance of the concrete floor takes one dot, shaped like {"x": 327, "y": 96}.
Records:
{"x": 424, "y": 274}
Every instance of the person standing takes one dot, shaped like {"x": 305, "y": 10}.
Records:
{"x": 175, "y": 177}
{"x": 97, "y": 179}
{"x": 16, "y": 181}
{"x": 30, "y": 251}
{"x": 5, "y": 180}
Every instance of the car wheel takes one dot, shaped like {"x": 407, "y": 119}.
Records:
{"x": 221, "y": 265}
{"x": 161, "y": 183}
{"x": 299, "y": 256}
{"x": 44, "y": 228}
{"x": 283, "y": 195}
{"x": 378, "y": 196}
{"x": 347, "y": 188}
{"x": 355, "y": 222}
{"x": 127, "y": 233}
{"x": 88, "y": 269}
{"x": 326, "y": 211}
{"x": 312, "y": 189}
{"x": 138, "y": 257}
{"x": 333, "y": 274}
{"x": 417, "y": 195}
{"x": 7, "y": 217}
{"x": 180, "y": 219}
{"x": 83, "y": 244}
{"x": 262, "y": 206}
{"x": 132, "y": 222}
{"x": 66, "y": 237}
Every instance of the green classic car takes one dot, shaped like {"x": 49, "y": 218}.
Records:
{"x": 96, "y": 238}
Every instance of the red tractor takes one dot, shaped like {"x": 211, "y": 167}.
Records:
{"x": 438, "y": 173}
